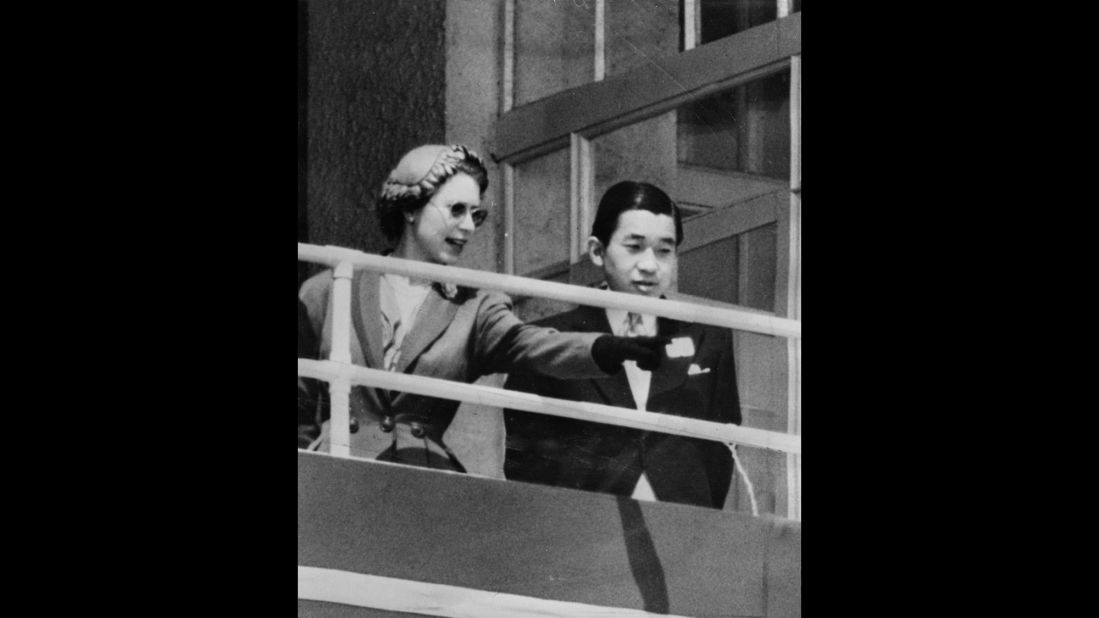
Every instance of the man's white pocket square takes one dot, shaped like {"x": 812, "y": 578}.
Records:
{"x": 695, "y": 370}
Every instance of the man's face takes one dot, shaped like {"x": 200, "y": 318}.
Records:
{"x": 641, "y": 256}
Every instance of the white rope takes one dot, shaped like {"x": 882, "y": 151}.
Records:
{"x": 747, "y": 481}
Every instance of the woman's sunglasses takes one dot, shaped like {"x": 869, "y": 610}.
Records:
{"x": 458, "y": 210}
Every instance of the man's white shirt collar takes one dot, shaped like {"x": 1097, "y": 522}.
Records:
{"x": 618, "y": 321}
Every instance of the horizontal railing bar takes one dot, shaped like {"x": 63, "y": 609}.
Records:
{"x": 598, "y": 413}
{"x": 523, "y": 286}
{"x": 407, "y": 596}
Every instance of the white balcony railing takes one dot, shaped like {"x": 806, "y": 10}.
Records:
{"x": 341, "y": 374}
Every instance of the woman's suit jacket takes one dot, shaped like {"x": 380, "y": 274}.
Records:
{"x": 607, "y": 458}
{"x": 458, "y": 334}
{"x": 307, "y": 387}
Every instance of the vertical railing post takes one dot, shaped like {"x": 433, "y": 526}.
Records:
{"x": 340, "y": 387}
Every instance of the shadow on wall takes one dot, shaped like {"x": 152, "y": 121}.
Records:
{"x": 644, "y": 561}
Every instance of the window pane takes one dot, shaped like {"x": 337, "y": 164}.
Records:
{"x": 761, "y": 379}
{"x": 542, "y": 213}
{"x": 711, "y": 271}
{"x": 721, "y": 18}
{"x": 644, "y": 151}
{"x": 716, "y": 152}
{"x": 738, "y": 268}
{"x": 729, "y": 251}
{"x": 542, "y": 228}
{"x": 746, "y": 129}
{"x": 554, "y": 47}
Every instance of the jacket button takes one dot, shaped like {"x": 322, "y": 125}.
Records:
{"x": 417, "y": 429}
{"x": 387, "y": 424}
{"x": 353, "y": 424}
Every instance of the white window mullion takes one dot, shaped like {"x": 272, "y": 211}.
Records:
{"x": 509, "y": 218}
{"x": 507, "y": 81}
{"x": 580, "y": 195}
{"x": 586, "y": 207}
{"x": 690, "y": 24}
{"x": 600, "y": 40}
{"x": 795, "y": 123}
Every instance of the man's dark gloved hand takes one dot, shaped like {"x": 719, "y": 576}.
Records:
{"x": 610, "y": 351}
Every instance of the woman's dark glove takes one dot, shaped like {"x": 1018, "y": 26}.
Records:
{"x": 610, "y": 351}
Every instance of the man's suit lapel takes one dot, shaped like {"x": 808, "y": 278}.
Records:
{"x": 431, "y": 320}
{"x": 616, "y": 388}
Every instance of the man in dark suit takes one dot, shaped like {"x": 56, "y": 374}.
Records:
{"x": 635, "y": 237}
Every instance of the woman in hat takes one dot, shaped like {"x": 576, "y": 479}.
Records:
{"x": 429, "y": 208}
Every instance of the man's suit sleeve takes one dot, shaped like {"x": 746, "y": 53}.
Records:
{"x": 521, "y": 426}
{"x": 530, "y": 453}
{"x": 533, "y": 439}
{"x": 725, "y": 398}
{"x": 724, "y": 408}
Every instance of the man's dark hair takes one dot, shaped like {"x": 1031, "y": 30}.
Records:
{"x": 633, "y": 195}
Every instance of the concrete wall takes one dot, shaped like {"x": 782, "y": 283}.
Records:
{"x": 473, "y": 68}
{"x": 377, "y": 74}
{"x": 385, "y": 76}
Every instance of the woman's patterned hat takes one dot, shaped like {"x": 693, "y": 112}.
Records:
{"x": 423, "y": 169}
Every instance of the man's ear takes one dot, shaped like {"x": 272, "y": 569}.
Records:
{"x": 595, "y": 251}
